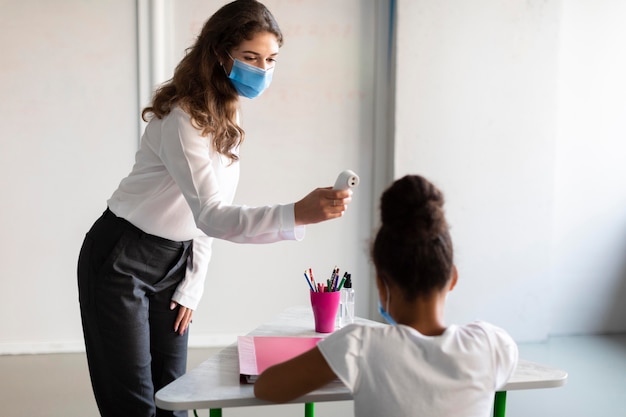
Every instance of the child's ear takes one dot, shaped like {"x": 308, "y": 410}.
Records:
{"x": 454, "y": 278}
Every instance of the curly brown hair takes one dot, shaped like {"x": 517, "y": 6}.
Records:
{"x": 200, "y": 85}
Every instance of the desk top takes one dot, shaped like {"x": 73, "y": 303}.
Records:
{"x": 215, "y": 382}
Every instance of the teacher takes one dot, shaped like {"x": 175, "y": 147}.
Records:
{"x": 143, "y": 263}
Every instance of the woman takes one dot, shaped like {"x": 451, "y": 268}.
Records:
{"x": 419, "y": 366}
{"x": 142, "y": 266}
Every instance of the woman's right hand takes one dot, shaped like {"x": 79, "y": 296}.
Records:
{"x": 322, "y": 204}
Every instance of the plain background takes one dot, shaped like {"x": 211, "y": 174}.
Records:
{"x": 514, "y": 108}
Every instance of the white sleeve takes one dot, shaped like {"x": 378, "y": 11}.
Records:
{"x": 342, "y": 350}
{"x": 190, "y": 290}
{"x": 186, "y": 155}
{"x": 504, "y": 350}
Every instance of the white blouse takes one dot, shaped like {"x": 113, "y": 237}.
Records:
{"x": 180, "y": 189}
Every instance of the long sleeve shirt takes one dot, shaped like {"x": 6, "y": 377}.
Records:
{"x": 180, "y": 188}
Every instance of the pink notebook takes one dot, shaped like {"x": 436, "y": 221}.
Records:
{"x": 257, "y": 353}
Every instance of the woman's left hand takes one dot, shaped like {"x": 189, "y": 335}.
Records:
{"x": 182, "y": 319}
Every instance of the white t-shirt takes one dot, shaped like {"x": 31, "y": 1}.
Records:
{"x": 180, "y": 188}
{"x": 396, "y": 371}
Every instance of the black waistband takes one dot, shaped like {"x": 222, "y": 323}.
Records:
{"x": 126, "y": 225}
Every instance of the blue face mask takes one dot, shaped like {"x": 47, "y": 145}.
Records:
{"x": 384, "y": 312}
{"x": 248, "y": 80}
{"x": 386, "y": 315}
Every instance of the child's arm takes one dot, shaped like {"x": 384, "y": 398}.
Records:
{"x": 291, "y": 379}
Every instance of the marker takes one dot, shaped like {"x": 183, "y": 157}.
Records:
{"x": 343, "y": 280}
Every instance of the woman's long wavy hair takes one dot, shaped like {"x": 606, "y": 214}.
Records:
{"x": 200, "y": 85}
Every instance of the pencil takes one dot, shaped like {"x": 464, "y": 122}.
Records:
{"x": 312, "y": 279}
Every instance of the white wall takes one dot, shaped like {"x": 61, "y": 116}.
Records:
{"x": 515, "y": 109}
{"x": 589, "y": 241}
{"x": 69, "y": 120}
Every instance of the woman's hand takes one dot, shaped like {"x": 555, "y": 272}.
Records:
{"x": 322, "y": 204}
{"x": 182, "y": 319}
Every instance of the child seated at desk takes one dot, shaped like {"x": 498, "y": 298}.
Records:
{"x": 417, "y": 366}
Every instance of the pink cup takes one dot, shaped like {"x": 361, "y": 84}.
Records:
{"x": 325, "y": 306}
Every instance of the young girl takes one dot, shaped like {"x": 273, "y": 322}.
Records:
{"x": 142, "y": 265}
{"x": 418, "y": 366}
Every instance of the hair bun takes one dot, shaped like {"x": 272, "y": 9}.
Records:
{"x": 413, "y": 207}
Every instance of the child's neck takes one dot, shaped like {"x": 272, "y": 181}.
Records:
{"x": 424, "y": 314}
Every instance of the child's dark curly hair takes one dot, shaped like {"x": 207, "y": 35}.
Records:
{"x": 413, "y": 248}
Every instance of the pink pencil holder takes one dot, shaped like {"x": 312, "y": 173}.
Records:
{"x": 325, "y": 306}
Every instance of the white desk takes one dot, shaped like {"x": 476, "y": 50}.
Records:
{"x": 214, "y": 384}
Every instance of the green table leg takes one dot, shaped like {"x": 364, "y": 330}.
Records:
{"x": 309, "y": 411}
{"x": 499, "y": 404}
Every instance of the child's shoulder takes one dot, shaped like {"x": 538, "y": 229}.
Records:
{"x": 482, "y": 327}
{"x": 361, "y": 332}
{"x": 486, "y": 335}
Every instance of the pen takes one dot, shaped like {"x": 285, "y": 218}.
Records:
{"x": 308, "y": 282}
{"x": 336, "y": 286}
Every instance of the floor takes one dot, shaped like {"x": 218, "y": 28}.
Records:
{"x": 595, "y": 386}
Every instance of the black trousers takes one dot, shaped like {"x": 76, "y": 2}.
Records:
{"x": 126, "y": 279}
